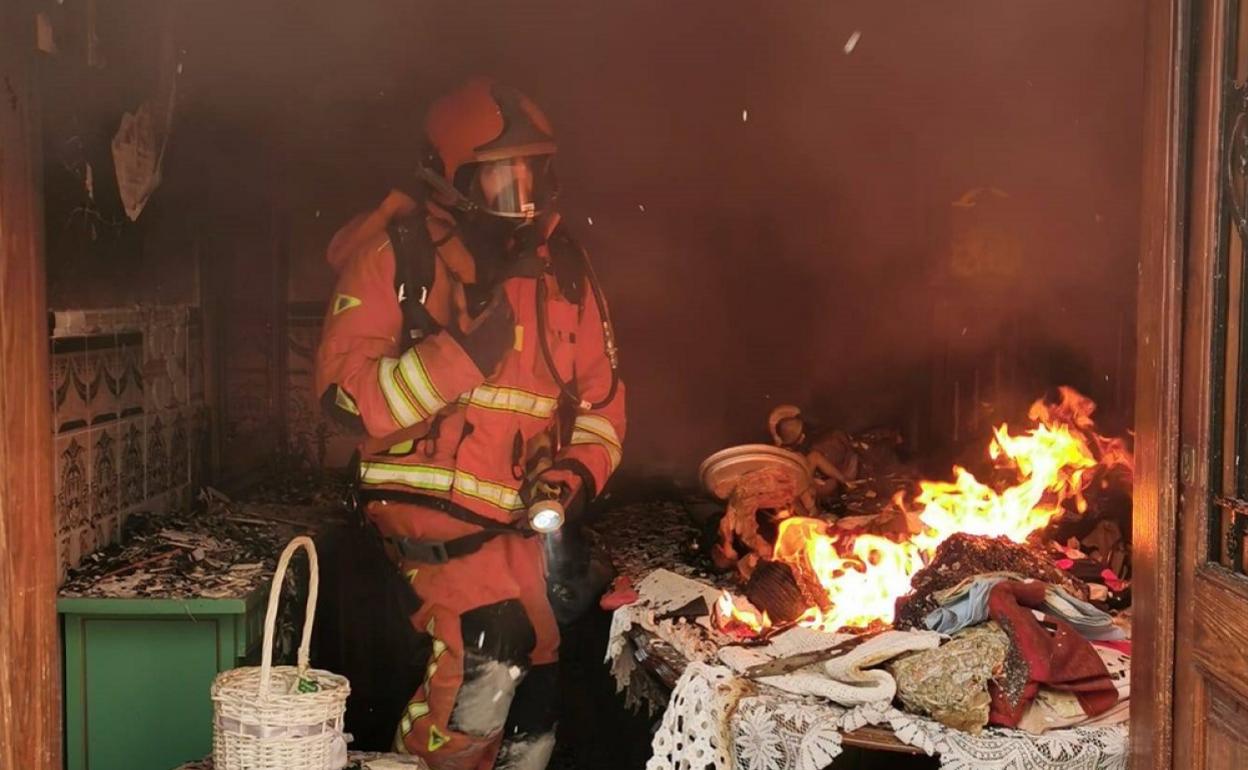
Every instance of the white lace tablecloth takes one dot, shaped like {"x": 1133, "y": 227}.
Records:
{"x": 716, "y": 719}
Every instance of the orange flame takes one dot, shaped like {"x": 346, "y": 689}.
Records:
{"x": 737, "y": 617}
{"x": 863, "y": 575}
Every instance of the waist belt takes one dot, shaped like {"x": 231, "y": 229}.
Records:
{"x": 440, "y": 551}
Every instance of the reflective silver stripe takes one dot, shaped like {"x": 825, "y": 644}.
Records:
{"x": 401, "y": 408}
{"x": 511, "y": 400}
{"x": 416, "y": 476}
{"x": 591, "y": 429}
{"x": 487, "y": 491}
{"x": 416, "y": 378}
{"x": 581, "y": 438}
{"x": 599, "y": 426}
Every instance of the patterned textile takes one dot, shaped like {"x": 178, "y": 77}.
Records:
{"x": 775, "y": 731}
{"x": 715, "y": 719}
{"x": 950, "y": 684}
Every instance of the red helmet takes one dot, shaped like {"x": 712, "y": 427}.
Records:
{"x": 491, "y": 149}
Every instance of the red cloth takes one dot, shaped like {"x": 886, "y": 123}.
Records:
{"x": 621, "y": 594}
{"x": 1121, "y": 645}
{"x": 1063, "y": 660}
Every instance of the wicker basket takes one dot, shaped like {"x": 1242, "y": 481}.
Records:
{"x": 263, "y": 719}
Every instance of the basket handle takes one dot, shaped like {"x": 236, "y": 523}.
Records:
{"x": 270, "y": 617}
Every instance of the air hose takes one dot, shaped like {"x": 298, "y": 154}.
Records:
{"x": 608, "y": 340}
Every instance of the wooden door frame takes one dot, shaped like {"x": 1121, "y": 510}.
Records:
{"x": 1159, "y": 357}
{"x": 30, "y": 661}
{"x": 1205, "y": 590}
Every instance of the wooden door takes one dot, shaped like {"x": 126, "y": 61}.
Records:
{"x": 1211, "y": 642}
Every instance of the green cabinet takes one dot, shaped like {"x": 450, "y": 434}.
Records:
{"x": 138, "y": 671}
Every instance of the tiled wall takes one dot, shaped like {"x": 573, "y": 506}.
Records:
{"x": 319, "y": 441}
{"x": 128, "y": 413}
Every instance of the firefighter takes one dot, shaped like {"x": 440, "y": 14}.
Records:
{"x": 468, "y": 339}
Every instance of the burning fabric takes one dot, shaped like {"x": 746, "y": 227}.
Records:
{"x": 946, "y": 601}
{"x": 857, "y": 577}
{"x": 966, "y": 557}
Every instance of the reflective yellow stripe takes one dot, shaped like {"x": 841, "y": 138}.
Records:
{"x": 344, "y": 401}
{"x": 432, "y": 479}
{"x": 487, "y": 491}
{"x": 419, "y": 384}
{"x": 401, "y": 408}
{"x": 402, "y": 448}
{"x": 590, "y": 429}
{"x": 402, "y": 389}
{"x": 424, "y": 477}
{"x": 511, "y": 400}
{"x": 344, "y": 302}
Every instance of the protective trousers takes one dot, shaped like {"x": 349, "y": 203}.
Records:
{"x": 489, "y": 694}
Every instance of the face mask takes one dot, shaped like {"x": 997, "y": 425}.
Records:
{"x": 490, "y": 240}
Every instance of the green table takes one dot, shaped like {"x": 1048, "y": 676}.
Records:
{"x": 138, "y": 671}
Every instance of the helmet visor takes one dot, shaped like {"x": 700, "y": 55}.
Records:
{"x": 519, "y": 188}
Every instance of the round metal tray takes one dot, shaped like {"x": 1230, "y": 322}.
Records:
{"x": 721, "y": 471}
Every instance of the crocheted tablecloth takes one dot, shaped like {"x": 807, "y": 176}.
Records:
{"x": 716, "y": 718}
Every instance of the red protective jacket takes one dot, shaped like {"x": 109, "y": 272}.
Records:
{"x": 486, "y": 429}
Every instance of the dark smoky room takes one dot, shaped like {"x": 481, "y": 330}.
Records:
{"x": 642, "y": 385}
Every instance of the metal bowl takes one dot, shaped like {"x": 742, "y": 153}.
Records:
{"x": 721, "y": 471}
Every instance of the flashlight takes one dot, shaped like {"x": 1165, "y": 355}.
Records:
{"x": 546, "y": 516}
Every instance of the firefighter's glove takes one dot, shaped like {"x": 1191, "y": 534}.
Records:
{"x": 491, "y": 335}
{"x": 563, "y": 485}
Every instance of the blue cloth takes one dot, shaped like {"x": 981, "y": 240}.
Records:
{"x": 969, "y": 607}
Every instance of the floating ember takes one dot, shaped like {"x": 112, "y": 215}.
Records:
{"x": 862, "y": 575}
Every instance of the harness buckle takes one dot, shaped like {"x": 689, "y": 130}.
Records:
{"x": 424, "y": 551}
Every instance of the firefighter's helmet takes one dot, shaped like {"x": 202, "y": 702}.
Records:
{"x": 490, "y": 148}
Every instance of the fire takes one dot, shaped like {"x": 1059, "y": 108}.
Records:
{"x": 1052, "y": 463}
{"x": 861, "y": 575}
{"x": 738, "y": 618}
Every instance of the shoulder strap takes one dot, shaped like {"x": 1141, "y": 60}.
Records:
{"x": 567, "y": 259}
{"x": 414, "y": 255}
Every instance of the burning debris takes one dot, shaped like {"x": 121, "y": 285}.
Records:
{"x": 924, "y": 605}
{"x": 962, "y": 557}
{"x": 851, "y": 576}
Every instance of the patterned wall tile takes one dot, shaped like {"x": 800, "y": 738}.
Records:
{"x": 70, "y": 377}
{"x": 81, "y": 323}
{"x": 105, "y": 482}
{"x": 129, "y": 438}
{"x": 322, "y": 442}
{"x": 164, "y": 359}
{"x": 87, "y": 540}
{"x": 73, "y": 458}
{"x": 103, "y": 360}
{"x": 62, "y": 556}
{"x": 180, "y": 447}
{"x": 130, "y": 374}
{"x": 132, "y": 434}
{"x": 157, "y": 454}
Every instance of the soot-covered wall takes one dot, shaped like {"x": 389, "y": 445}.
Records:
{"x": 772, "y": 210}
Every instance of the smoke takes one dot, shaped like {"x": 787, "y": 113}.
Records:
{"x": 802, "y": 255}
